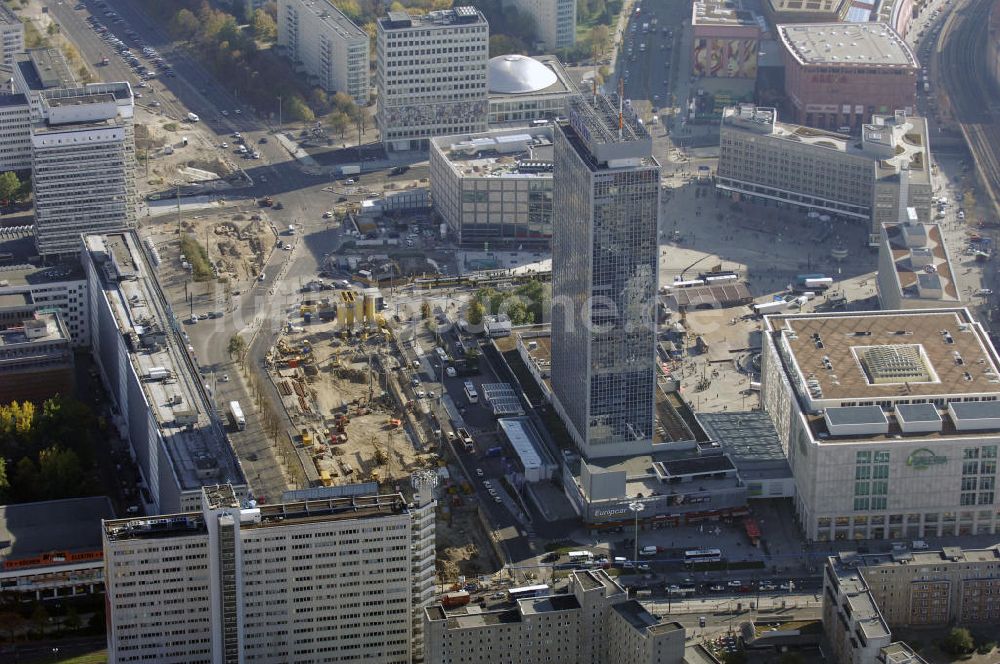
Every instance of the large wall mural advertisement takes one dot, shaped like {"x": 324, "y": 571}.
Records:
{"x": 717, "y": 57}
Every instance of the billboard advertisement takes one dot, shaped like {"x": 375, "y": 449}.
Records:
{"x": 719, "y": 57}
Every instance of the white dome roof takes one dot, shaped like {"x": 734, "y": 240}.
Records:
{"x": 513, "y": 74}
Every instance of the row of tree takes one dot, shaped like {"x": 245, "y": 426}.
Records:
{"x": 523, "y": 305}
{"x": 46, "y": 453}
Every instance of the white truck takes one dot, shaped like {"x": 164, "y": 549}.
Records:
{"x": 770, "y": 307}
{"x": 236, "y": 415}
{"x": 819, "y": 283}
{"x": 192, "y": 117}
{"x": 158, "y": 373}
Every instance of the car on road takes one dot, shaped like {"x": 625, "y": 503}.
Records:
{"x": 224, "y": 146}
{"x": 351, "y": 181}
{"x": 420, "y": 394}
{"x": 788, "y": 585}
{"x": 451, "y": 372}
{"x": 155, "y": 104}
{"x": 263, "y": 140}
{"x": 766, "y": 585}
{"x": 644, "y": 567}
{"x": 225, "y": 114}
{"x": 415, "y": 382}
{"x": 717, "y": 588}
{"x": 399, "y": 170}
{"x": 479, "y": 472}
{"x": 735, "y": 584}
{"x": 497, "y": 499}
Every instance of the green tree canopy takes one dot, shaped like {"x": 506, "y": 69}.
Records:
{"x": 263, "y": 26}
{"x": 10, "y": 185}
{"x": 958, "y": 642}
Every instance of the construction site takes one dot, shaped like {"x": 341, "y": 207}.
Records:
{"x": 337, "y": 369}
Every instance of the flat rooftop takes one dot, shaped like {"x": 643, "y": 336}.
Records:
{"x": 327, "y": 13}
{"x": 722, "y": 12}
{"x": 198, "y": 447}
{"x": 952, "y": 555}
{"x": 24, "y": 274}
{"x": 503, "y": 153}
{"x": 16, "y": 300}
{"x": 912, "y": 262}
{"x": 750, "y": 440}
{"x": 550, "y": 604}
{"x": 262, "y": 516}
{"x": 638, "y": 617}
{"x": 846, "y": 44}
{"x": 42, "y": 329}
{"x": 44, "y": 68}
{"x": 70, "y": 525}
{"x": 887, "y": 355}
{"x": 606, "y": 133}
{"x": 863, "y": 609}
{"x": 14, "y": 99}
{"x": 401, "y": 20}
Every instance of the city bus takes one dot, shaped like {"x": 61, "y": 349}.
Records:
{"x": 470, "y": 392}
{"x": 699, "y": 556}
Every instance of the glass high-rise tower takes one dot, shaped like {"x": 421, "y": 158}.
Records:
{"x": 606, "y": 200}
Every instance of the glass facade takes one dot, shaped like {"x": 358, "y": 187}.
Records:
{"x": 604, "y": 256}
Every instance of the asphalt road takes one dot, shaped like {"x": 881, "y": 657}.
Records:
{"x": 646, "y": 71}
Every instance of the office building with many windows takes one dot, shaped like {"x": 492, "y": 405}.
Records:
{"x": 494, "y": 187}
{"x": 336, "y": 579}
{"x": 162, "y": 406}
{"x": 555, "y": 22}
{"x": 431, "y": 76}
{"x": 325, "y": 45}
{"x": 83, "y": 166}
{"x": 606, "y": 203}
{"x": 873, "y": 178}
{"x": 890, "y": 420}
{"x": 11, "y": 34}
{"x": 595, "y": 622}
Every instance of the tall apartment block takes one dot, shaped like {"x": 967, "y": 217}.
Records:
{"x": 606, "y": 201}
{"x": 163, "y": 408}
{"x": 555, "y": 21}
{"x": 595, "y": 622}
{"x": 15, "y": 133}
{"x": 431, "y": 76}
{"x": 11, "y": 34}
{"x": 326, "y": 45}
{"x": 328, "y": 580}
{"x": 874, "y": 178}
{"x": 83, "y": 166}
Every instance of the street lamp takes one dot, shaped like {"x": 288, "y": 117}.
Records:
{"x": 636, "y": 507}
